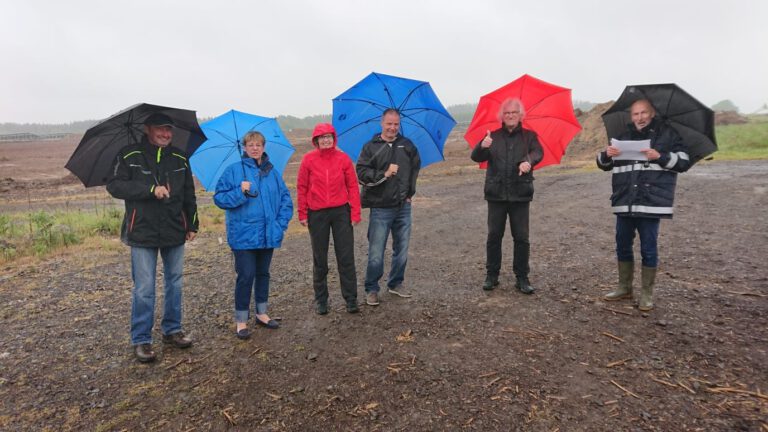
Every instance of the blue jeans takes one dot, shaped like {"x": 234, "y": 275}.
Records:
{"x": 383, "y": 221}
{"x": 648, "y": 228}
{"x": 252, "y": 268}
{"x": 143, "y": 268}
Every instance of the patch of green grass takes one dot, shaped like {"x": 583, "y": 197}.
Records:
{"x": 41, "y": 233}
{"x": 743, "y": 141}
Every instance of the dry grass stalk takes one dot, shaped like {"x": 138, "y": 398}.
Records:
{"x": 617, "y": 363}
{"x": 492, "y": 382}
{"x": 617, "y": 311}
{"x": 612, "y": 336}
{"x": 690, "y": 390}
{"x": 625, "y": 390}
{"x": 666, "y": 383}
{"x": 228, "y": 417}
{"x": 739, "y": 391}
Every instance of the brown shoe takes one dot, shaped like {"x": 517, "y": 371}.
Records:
{"x": 144, "y": 353}
{"x": 179, "y": 340}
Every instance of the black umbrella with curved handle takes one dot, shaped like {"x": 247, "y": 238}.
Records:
{"x": 693, "y": 121}
{"x": 94, "y": 157}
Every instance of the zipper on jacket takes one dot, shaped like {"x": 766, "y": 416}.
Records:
{"x": 133, "y": 219}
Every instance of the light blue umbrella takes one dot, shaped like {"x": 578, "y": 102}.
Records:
{"x": 423, "y": 119}
{"x": 225, "y": 145}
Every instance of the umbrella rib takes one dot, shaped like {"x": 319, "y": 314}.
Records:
{"x": 386, "y": 90}
{"x": 410, "y": 93}
{"x": 422, "y": 109}
{"x": 123, "y": 131}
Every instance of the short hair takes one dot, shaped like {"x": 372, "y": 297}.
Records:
{"x": 390, "y": 111}
{"x": 644, "y": 100}
{"x": 510, "y": 101}
{"x": 254, "y": 135}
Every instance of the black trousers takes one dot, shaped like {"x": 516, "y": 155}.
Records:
{"x": 321, "y": 224}
{"x": 518, "y": 224}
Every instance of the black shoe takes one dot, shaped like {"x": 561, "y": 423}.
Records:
{"x": 490, "y": 283}
{"x": 179, "y": 340}
{"x": 271, "y": 324}
{"x": 524, "y": 286}
{"x": 243, "y": 334}
{"x": 144, "y": 353}
{"x": 352, "y": 307}
{"x": 321, "y": 308}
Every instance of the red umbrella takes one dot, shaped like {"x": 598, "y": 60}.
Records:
{"x": 548, "y": 112}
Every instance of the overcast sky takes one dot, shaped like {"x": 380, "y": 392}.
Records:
{"x": 74, "y": 60}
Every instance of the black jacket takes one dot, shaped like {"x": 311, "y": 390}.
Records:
{"x": 374, "y": 159}
{"x": 150, "y": 222}
{"x": 647, "y": 188}
{"x": 503, "y": 181}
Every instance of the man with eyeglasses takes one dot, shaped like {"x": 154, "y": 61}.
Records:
{"x": 511, "y": 152}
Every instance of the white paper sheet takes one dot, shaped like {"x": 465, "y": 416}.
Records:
{"x": 630, "y": 150}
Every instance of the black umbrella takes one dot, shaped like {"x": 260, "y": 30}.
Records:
{"x": 95, "y": 155}
{"x": 693, "y": 121}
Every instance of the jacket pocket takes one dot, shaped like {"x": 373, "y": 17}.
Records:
{"x": 494, "y": 187}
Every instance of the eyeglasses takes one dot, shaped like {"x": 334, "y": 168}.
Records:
{"x": 511, "y": 113}
{"x": 325, "y": 137}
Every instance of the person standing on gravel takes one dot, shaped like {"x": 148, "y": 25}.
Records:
{"x": 511, "y": 152}
{"x": 159, "y": 217}
{"x": 387, "y": 169}
{"x": 643, "y": 194}
{"x": 258, "y": 208}
{"x": 329, "y": 201}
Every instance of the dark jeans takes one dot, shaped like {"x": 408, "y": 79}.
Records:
{"x": 648, "y": 228}
{"x": 321, "y": 224}
{"x": 252, "y": 267}
{"x": 382, "y": 221}
{"x": 518, "y": 224}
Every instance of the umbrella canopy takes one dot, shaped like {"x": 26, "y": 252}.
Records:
{"x": 548, "y": 112}
{"x": 94, "y": 157}
{"x": 693, "y": 121}
{"x": 423, "y": 119}
{"x": 225, "y": 145}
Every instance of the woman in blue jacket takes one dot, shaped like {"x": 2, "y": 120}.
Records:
{"x": 258, "y": 207}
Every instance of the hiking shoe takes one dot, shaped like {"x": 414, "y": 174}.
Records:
{"x": 490, "y": 283}
{"x": 144, "y": 353}
{"x": 352, "y": 307}
{"x": 179, "y": 340}
{"x": 321, "y": 308}
{"x": 400, "y": 291}
{"x": 372, "y": 298}
{"x": 524, "y": 286}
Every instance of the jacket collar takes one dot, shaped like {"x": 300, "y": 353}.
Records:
{"x": 264, "y": 166}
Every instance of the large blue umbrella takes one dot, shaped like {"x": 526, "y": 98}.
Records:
{"x": 423, "y": 119}
{"x": 225, "y": 145}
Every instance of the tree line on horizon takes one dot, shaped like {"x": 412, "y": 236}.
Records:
{"x": 462, "y": 113}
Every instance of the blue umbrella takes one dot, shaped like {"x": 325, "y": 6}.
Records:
{"x": 423, "y": 119}
{"x": 225, "y": 147}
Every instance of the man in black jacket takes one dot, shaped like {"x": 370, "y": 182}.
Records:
{"x": 511, "y": 153}
{"x": 643, "y": 194}
{"x": 154, "y": 180}
{"x": 387, "y": 169}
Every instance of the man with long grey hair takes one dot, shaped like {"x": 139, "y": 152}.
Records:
{"x": 511, "y": 152}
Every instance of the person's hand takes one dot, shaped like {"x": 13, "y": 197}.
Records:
{"x": 487, "y": 141}
{"x": 651, "y": 154}
{"x": 245, "y": 186}
{"x": 191, "y": 235}
{"x": 392, "y": 170}
{"x": 612, "y": 151}
{"x": 355, "y": 223}
{"x": 524, "y": 167}
{"x": 304, "y": 223}
{"x": 161, "y": 192}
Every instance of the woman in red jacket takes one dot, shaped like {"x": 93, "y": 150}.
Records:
{"x": 329, "y": 201}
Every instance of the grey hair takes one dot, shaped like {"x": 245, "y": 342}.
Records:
{"x": 507, "y": 103}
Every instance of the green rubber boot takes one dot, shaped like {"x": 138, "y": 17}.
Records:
{"x": 624, "y": 291}
{"x": 646, "y": 292}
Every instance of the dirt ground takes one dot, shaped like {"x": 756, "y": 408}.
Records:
{"x": 453, "y": 357}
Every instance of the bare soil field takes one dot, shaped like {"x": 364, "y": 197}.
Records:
{"x": 453, "y": 357}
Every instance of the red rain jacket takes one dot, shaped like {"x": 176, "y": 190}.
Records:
{"x": 327, "y": 178}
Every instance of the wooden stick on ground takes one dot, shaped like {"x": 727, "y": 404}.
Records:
{"x": 666, "y": 383}
{"x": 747, "y": 293}
{"x": 617, "y": 363}
{"x": 735, "y": 390}
{"x": 625, "y": 390}
{"x": 613, "y": 336}
{"x": 617, "y": 311}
